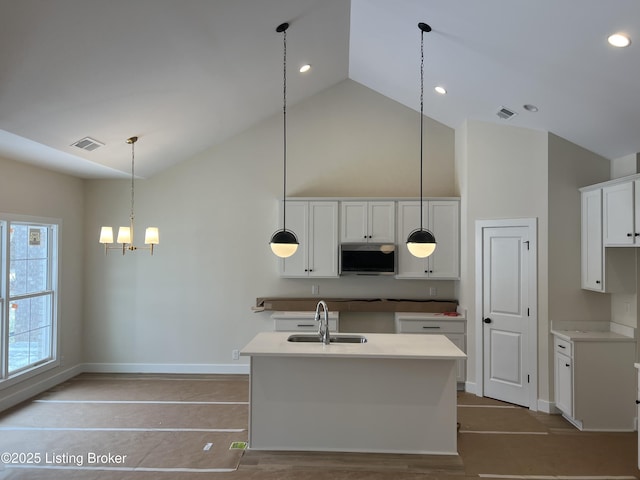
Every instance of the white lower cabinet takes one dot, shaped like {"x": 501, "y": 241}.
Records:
{"x": 301, "y": 321}
{"x": 637, "y": 365}
{"x": 595, "y": 382}
{"x": 563, "y": 377}
{"x": 452, "y": 327}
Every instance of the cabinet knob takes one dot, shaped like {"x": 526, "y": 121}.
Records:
{"x": 629, "y": 234}
{"x": 598, "y": 282}
{"x": 637, "y": 234}
{"x": 567, "y": 365}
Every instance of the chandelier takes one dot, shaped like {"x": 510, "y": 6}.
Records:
{"x": 125, "y": 234}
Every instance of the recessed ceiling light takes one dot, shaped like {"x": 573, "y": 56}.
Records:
{"x": 440, "y": 90}
{"x": 305, "y": 68}
{"x": 619, "y": 40}
{"x": 530, "y": 108}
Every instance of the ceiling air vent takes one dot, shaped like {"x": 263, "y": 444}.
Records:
{"x": 88, "y": 143}
{"x": 505, "y": 113}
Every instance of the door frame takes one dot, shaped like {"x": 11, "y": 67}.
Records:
{"x": 532, "y": 326}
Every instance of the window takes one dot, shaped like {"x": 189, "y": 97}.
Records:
{"x": 28, "y": 296}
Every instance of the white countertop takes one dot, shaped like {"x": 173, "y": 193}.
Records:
{"x": 378, "y": 345}
{"x": 591, "y": 336}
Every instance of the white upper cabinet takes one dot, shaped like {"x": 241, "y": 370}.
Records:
{"x": 442, "y": 218}
{"x": 367, "y": 222}
{"x": 592, "y": 252}
{"x": 316, "y": 225}
{"x": 619, "y": 215}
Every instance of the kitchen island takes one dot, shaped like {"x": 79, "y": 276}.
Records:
{"x": 396, "y": 393}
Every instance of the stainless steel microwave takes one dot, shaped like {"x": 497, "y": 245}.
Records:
{"x": 367, "y": 259}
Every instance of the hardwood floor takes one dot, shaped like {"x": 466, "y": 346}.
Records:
{"x": 182, "y": 427}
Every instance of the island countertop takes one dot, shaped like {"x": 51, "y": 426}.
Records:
{"x": 378, "y": 345}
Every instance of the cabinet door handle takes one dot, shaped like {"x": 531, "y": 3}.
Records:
{"x": 567, "y": 365}
{"x": 305, "y": 325}
{"x": 561, "y": 346}
{"x": 430, "y": 327}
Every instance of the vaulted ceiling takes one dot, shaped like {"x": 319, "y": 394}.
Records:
{"x": 185, "y": 75}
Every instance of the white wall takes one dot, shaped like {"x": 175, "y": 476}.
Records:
{"x": 29, "y": 190}
{"x": 502, "y": 174}
{"x": 188, "y": 306}
{"x": 571, "y": 167}
{"x": 627, "y": 165}
{"x": 510, "y": 172}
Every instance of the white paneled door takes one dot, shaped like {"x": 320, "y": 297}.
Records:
{"x": 507, "y": 315}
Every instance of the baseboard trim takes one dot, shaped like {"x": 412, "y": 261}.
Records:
{"x": 545, "y": 406}
{"x": 470, "y": 387}
{"x": 33, "y": 389}
{"x": 184, "y": 368}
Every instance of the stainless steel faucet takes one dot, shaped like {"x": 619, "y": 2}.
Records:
{"x": 323, "y": 328}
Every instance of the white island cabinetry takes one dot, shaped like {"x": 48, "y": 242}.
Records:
{"x": 450, "y": 325}
{"x": 393, "y": 394}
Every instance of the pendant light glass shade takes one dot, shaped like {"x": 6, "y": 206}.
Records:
{"x": 421, "y": 242}
{"x": 284, "y": 243}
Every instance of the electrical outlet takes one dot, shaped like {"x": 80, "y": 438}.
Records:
{"x": 235, "y": 354}
{"x": 433, "y": 291}
{"x": 315, "y": 289}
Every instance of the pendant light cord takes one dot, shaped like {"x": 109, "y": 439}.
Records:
{"x": 284, "y": 129}
{"x": 421, "y": 114}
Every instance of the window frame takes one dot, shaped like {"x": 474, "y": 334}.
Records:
{"x": 54, "y": 226}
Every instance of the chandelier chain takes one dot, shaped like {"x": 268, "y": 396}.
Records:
{"x": 132, "y": 179}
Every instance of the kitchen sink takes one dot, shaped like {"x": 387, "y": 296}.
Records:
{"x": 336, "y": 338}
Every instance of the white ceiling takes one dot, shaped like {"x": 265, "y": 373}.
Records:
{"x": 185, "y": 75}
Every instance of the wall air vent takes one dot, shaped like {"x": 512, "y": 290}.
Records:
{"x": 88, "y": 143}
{"x": 505, "y": 113}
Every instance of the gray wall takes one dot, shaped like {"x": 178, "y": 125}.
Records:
{"x": 28, "y": 190}
{"x": 187, "y": 307}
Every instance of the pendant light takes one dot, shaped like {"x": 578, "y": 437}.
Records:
{"x": 421, "y": 242}
{"x": 284, "y": 243}
{"x": 125, "y": 234}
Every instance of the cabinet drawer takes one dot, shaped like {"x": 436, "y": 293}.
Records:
{"x": 429, "y": 326}
{"x": 562, "y": 346}
{"x": 301, "y": 321}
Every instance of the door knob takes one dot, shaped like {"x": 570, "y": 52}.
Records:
{"x": 487, "y": 320}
